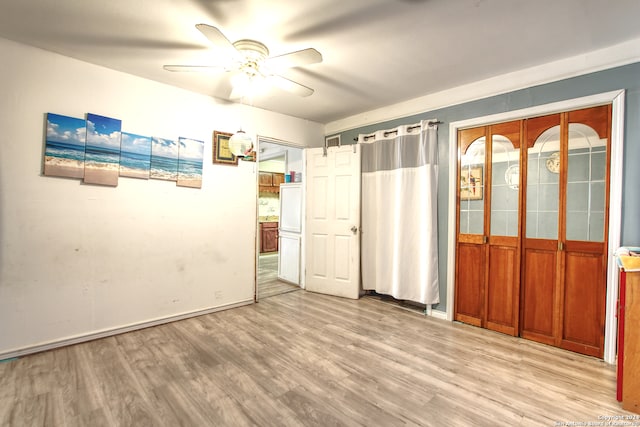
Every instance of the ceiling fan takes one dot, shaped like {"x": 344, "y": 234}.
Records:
{"x": 251, "y": 65}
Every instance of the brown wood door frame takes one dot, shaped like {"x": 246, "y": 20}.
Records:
{"x": 560, "y": 254}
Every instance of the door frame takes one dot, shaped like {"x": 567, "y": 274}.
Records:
{"x": 617, "y": 99}
{"x": 285, "y": 144}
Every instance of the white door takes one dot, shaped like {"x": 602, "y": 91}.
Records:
{"x": 333, "y": 221}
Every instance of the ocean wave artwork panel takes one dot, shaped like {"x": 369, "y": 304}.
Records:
{"x": 64, "y": 146}
{"x": 102, "y": 151}
{"x": 96, "y": 150}
{"x": 164, "y": 159}
{"x": 190, "y": 160}
{"x": 135, "y": 156}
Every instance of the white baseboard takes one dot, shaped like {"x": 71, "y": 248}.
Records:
{"x": 438, "y": 314}
{"x": 115, "y": 331}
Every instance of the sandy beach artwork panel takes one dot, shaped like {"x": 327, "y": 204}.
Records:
{"x": 135, "y": 156}
{"x": 64, "y": 146}
{"x": 164, "y": 159}
{"x": 190, "y": 159}
{"x": 102, "y": 153}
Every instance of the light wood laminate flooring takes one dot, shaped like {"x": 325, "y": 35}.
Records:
{"x": 304, "y": 359}
{"x": 268, "y": 282}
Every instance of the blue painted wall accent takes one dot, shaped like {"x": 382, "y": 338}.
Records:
{"x": 625, "y": 77}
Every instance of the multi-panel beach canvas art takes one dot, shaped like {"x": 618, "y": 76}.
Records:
{"x": 64, "y": 146}
{"x": 135, "y": 156}
{"x": 164, "y": 159}
{"x": 96, "y": 150}
{"x": 102, "y": 152}
{"x": 190, "y": 157}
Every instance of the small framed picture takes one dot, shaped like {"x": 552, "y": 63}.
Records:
{"x": 471, "y": 184}
{"x": 221, "y": 152}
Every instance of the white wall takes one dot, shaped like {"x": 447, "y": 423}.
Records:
{"x": 294, "y": 160}
{"x": 273, "y": 165}
{"x": 269, "y": 150}
{"x": 77, "y": 260}
{"x": 268, "y": 205}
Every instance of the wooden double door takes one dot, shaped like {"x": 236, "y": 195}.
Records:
{"x": 532, "y": 228}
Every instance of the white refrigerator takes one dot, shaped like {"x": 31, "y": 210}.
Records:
{"x": 290, "y": 232}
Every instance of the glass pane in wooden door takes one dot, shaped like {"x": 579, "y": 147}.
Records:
{"x": 543, "y": 184}
{"x": 472, "y": 188}
{"x": 586, "y": 172}
{"x": 505, "y": 178}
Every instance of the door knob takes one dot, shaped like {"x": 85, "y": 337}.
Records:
{"x": 354, "y": 229}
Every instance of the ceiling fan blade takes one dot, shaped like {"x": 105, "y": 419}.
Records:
{"x": 219, "y": 40}
{"x": 194, "y": 68}
{"x": 294, "y": 59}
{"x": 289, "y": 85}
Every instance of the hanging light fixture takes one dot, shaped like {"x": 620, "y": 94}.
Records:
{"x": 246, "y": 83}
{"x": 240, "y": 144}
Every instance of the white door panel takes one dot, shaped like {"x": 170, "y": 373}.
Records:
{"x": 333, "y": 221}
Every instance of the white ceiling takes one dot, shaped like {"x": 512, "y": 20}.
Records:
{"x": 376, "y": 52}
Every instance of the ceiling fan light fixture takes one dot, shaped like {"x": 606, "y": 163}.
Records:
{"x": 248, "y": 82}
{"x": 252, "y": 50}
{"x": 250, "y": 60}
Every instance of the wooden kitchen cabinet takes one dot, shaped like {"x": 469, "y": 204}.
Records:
{"x": 629, "y": 341}
{"x": 265, "y": 179}
{"x": 268, "y": 237}
{"x": 278, "y": 178}
{"x": 269, "y": 182}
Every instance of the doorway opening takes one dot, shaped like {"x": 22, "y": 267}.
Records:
{"x": 276, "y": 160}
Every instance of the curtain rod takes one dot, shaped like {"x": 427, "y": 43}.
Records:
{"x": 409, "y": 128}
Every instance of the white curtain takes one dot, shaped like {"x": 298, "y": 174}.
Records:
{"x": 399, "y": 249}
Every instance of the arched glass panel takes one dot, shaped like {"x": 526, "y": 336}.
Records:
{"x": 472, "y": 188}
{"x": 586, "y": 173}
{"x": 543, "y": 183}
{"x": 505, "y": 176}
